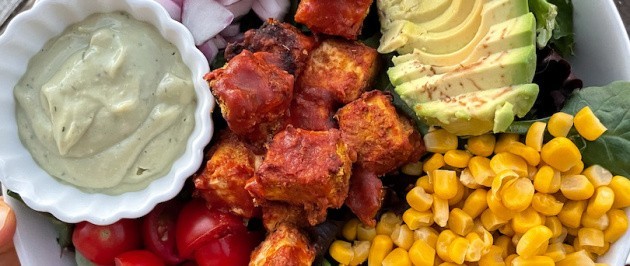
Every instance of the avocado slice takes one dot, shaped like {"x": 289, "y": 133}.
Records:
{"x": 402, "y": 9}
{"x": 514, "y": 33}
{"x": 404, "y": 35}
{"x": 493, "y": 13}
{"x": 477, "y": 112}
{"x": 514, "y": 66}
{"x": 455, "y": 13}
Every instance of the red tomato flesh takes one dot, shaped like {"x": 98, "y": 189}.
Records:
{"x": 138, "y": 258}
{"x": 100, "y": 244}
{"x": 158, "y": 232}
{"x": 233, "y": 249}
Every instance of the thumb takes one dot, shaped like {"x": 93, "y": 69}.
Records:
{"x": 7, "y": 226}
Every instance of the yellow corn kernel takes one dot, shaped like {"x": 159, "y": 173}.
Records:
{"x": 365, "y": 233}
{"x": 535, "y": 134}
{"x": 492, "y": 257}
{"x": 419, "y": 200}
{"x": 491, "y": 221}
{"x": 533, "y": 261}
{"x": 598, "y": 222}
{"x": 507, "y": 230}
{"x": 413, "y": 168}
{"x": 402, "y": 236}
{"x": 425, "y": 183}
{"x": 449, "y": 264}
{"x": 500, "y": 180}
{"x": 588, "y": 125}
{"x": 361, "y": 251}
{"x": 597, "y": 175}
{"x": 618, "y": 224}
{"x": 460, "y": 222}
{"x": 476, "y": 247}
{"x": 510, "y": 259}
{"x": 546, "y": 204}
{"x": 444, "y": 183}
{"x": 398, "y": 257}
{"x": 476, "y": 203}
{"x": 457, "y": 158}
{"x": 575, "y": 170}
{"x": 556, "y": 251}
{"x": 422, "y": 254}
{"x": 531, "y": 172}
{"x": 436, "y": 161}
{"x": 547, "y": 180}
{"x": 497, "y": 207}
{"x": 484, "y": 234}
{"x": 341, "y": 251}
{"x": 599, "y": 251}
{"x": 440, "y": 141}
{"x": 481, "y": 145}
{"x": 415, "y": 219}
{"x": 440, "y": 211}
{"x": 468, "y": 180}
{"x": 531, "y": 155}
{"x": 554, "y": 224}
{"x": 426, "y": 234}
{"x": 620, "y": 185}
{"x": 576, "y": 187}
{"x": 560, "y": 124}
{"x": 508, "y": 161}
{"x": 591, "y": 237}
{"x": 445, "y": 238}
{"x": 386, "y": 224}
{"x": 571, "y": 213}
{"x": 461, "y": 191}
{"x": 560, "y": 153}
{"x": 517, "y": 195}
{"x": 349, "y": 230}
{"x": 481, "y": 171}
{"x": 525, "y": 220}
{"x": 580, "y": 258}
{"x": 381, "y": 246}
{"x": 506, "y": 245}
{"x": 457, "y": 250}
{"x": 601, "y": 202}
{"x": 532, "y": 240}
{"x": 503, "y": 142}
{"x": 563, "y": 236}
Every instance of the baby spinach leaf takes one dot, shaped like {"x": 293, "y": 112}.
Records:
{"x": 611, "y": 104}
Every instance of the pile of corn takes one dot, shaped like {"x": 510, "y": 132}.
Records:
{"x": 499, "y": 202}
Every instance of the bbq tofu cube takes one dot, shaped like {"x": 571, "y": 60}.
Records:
{"x": 285, "y": 246}
{"x": 334, "y": 17}
{"x": 345, "y": 68}
{"x": 254, "y": 96}
{"x": 382, "y": 139}
{"x": 365, "y": 196}
{"x": 304, "y": 168}
{"x": 281, "y": 39}
{"x": 275, "y": 213}
{"x": 222, "y": 181}
{"x": 313, "y": 109}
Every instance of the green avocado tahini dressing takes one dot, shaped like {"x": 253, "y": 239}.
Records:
{"x": 107, "y": 106}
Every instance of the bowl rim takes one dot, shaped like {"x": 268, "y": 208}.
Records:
{"x": 65, "y": 201}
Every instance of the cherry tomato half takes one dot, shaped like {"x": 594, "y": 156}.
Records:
{"x": 196, "y": 225}
{"x": 233, "y": 249}
{"x": 101, "y": 243}
{"x": 138, "y": 258}
{"x": 158, "y": 232}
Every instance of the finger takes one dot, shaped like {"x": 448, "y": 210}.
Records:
{"x": 7, "y": 227}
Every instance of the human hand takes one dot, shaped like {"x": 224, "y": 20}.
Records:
{"x": 8, "y": 256}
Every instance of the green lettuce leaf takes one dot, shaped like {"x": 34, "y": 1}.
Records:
{"x": 545, "y": 14}
{"x": 562, "y": 38}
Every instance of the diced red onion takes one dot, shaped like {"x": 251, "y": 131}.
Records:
{"x": 240, "y": 8}
{"x": 209, "y": 49}
{"x": 232, "y": 30}
{"x": 232, "y": 39}
{"x": 179, "y": 2}
{"x": 271, "y": 8}
{"x": 205, "y": 18}
{"x": 219, "y": 41}
{"x": 227, "y": 2}
{"x": 174, "y": 9}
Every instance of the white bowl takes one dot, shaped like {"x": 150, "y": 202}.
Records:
{"x": 24, "y": 37}
{"x": 602, "y": 54}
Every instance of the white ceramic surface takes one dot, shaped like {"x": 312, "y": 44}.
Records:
{"x": 23, "y": 38}
{"x": 602, "y": 56}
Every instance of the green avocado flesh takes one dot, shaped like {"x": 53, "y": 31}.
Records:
{"x": 464, "y": 73}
